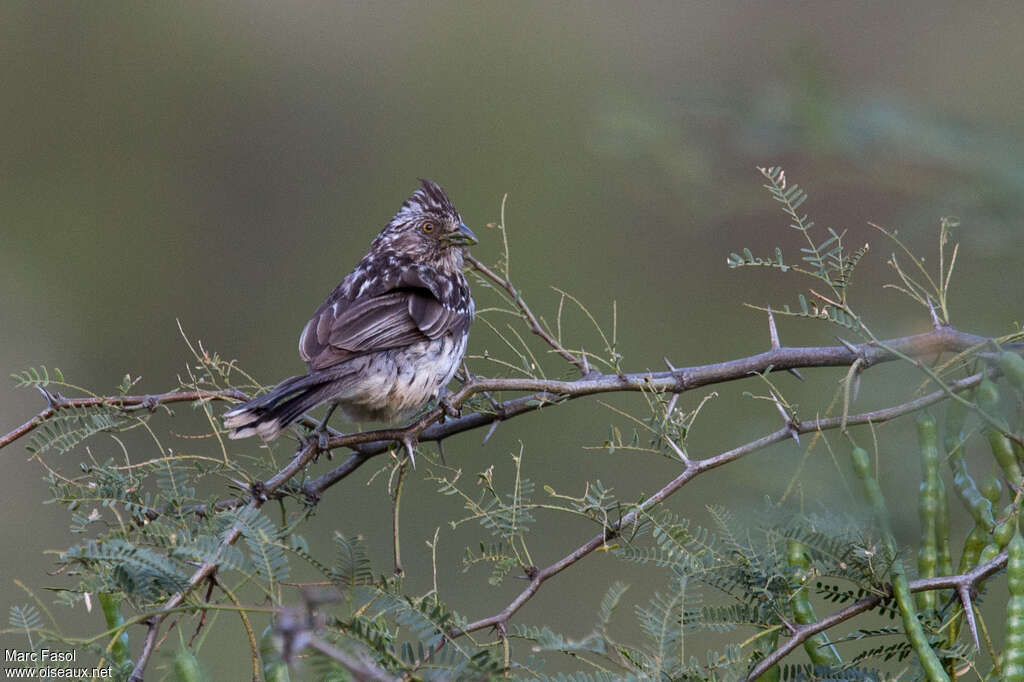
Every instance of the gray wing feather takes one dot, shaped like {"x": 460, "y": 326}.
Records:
{"x": 394, "y": 313}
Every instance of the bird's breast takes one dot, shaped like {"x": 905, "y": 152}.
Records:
{"x": 397, "y": 382}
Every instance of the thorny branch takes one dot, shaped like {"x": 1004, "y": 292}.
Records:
{"x": 57, "y": 402}
{"x": 695, "y": 468}
{"x": 963, "y": 583}
{"x": 543, "y": 392}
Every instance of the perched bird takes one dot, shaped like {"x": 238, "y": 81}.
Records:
{"x": 390, "y": 336}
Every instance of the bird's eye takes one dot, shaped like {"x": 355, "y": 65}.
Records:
{"x": 428, "y": 227}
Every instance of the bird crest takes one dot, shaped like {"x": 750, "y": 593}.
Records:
{"x": 429, "y": 199}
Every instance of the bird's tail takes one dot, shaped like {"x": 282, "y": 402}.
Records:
{"x": 267, "y": 415}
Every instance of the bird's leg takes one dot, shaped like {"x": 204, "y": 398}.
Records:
{"x": 323, "y": 437}
{"x": 444, "y": 402}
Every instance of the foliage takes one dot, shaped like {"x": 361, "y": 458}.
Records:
{"x": 193, "y": 533}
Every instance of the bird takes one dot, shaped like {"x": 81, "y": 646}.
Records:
{"x": 390, "y": 337}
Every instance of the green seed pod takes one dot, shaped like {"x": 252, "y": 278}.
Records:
{"x": 964, "y": 485}
{"x": 942, "y": 532}
{"x": 975, "y": 542}
{"x": 992, "y": 489}
{"x": 929, "y": 661}
{"x": 1004, "y": 530}
{"x": 928, "y": 507}
{"x": 1012, "y": 366}
{"x": 818, "y": 647}
{"x": 987, "y": 396}
{"x": 861, "y": 461}
{"x": 1013, "y": 650}
{"x": 969, "y": 493}
{"x": 1002, "y": 450}
{"x": 988, "y": 553}
{"x": 186, "y": 666}
{"x": 110, "y": 602}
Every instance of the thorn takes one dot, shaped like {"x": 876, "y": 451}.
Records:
{"x": 679, "y": 452}
{"x": 786, "y": 418}
{"x": 856, "y": 386}
{"x": 849, "y": 346}
{"x": 410, "y": 447}
{"x": 440, "y": 451}
{"x": 936, "y": 322}
{"x": 670, "y": 409}
{"x": 779, "y": 407}
{"x": 586, "y": 363}
{"x": 964, "y": 593}
{"x": 51, "y": 400}
{"x": 490, "y": 431}
{"x": 672, "y": 368}
{"x": 773, "y": 331}
{"x": 795, "y": 372}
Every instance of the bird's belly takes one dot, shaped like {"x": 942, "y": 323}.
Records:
{"x": 395, "y": 383}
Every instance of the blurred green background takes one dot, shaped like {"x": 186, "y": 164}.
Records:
{"x": 226, "y": 163}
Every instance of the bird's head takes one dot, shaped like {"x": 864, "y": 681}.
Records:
{"x": 428, "y": 229}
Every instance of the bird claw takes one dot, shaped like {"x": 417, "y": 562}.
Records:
{"x": 322, "y": 433}
{"x": 322, "y": 440}
{"x": 449, "y": 409}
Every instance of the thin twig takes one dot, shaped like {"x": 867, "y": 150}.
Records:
{"x": 528, "y": 315}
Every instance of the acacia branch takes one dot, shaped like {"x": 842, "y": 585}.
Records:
{"x": 544, "y": 392}
{"x": 962, "y": 583}
{"x": 693, "y": 469}
{"x": 260, "y": 494}
{"x": 57, "y": 402}
{"x": 549, "y": 391}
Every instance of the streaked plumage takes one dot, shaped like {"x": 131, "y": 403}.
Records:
{"x": 390, "y": 336}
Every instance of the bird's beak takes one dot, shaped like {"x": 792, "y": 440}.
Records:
{"x": 463, "y": 236}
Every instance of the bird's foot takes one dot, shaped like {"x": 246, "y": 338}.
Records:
{"x": 322, "y": 434}
{"x": 444, "y": 401}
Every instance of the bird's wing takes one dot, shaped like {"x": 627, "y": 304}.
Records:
{"x": 392, "y": 312}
